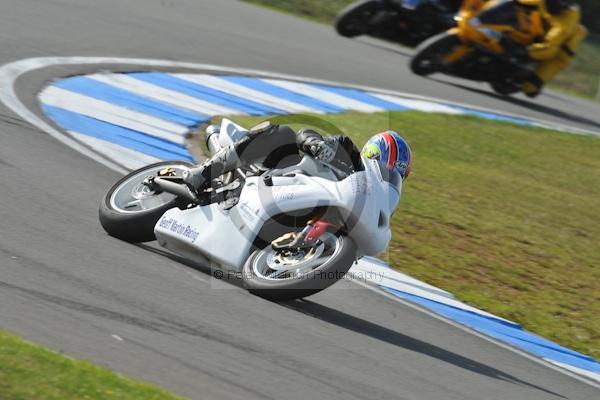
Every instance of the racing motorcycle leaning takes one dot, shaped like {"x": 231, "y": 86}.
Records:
{"x": 488, "y": 44}
{"x": 408, "y": 22}
{"x": 288, "y": 232}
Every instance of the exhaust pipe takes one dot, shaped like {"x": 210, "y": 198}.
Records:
{"x": 177, "y": 189}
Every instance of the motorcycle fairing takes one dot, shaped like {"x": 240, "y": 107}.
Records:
{"x": 364, "y": 200}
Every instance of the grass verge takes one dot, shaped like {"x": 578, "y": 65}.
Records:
{"x": 503, "y": 216}
{"x": 30, "y": 372}
{"x": 582, "y": 78}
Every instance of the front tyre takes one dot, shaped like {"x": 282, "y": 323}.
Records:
{"x": 287, "y": 275}
{"x": 130, "y": 210}
{"x": 429, "y": 56}
{"x": 353, "y": 20}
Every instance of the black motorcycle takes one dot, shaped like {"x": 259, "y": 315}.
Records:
{"x": 408, "y": 22}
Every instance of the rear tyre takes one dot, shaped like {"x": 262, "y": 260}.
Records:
{"x": 429, "y": 55}
{"x": 278, "y": 277}
{"x": 505, "y": 88}
{"x": 130, "y": 210}
{"x": 352, "y": 20}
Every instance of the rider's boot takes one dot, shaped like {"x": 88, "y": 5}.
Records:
{"x": 225, "y": 160}
{"x": 221, "y": 162}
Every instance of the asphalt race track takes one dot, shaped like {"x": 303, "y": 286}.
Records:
{"x": 66, "y": 284}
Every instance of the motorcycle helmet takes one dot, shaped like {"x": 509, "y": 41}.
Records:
{"x": 392, "y": 152}
{"x": 558, "y": 6}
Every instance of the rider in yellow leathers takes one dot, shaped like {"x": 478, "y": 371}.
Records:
{"x": 556, "y": 50}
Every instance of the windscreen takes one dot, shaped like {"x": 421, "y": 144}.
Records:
{"x": 505, "y": 13}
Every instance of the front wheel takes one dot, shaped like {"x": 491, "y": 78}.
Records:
{"x": 130, "y": 210}
{"x": 429, "y": 57}
{"x": 353, "y": 20}
{"x": 285, "y": 275}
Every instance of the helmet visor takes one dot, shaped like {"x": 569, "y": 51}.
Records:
{"x": 391, "y": 176}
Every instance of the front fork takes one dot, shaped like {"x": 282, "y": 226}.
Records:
{"x": 314, "y": 231}
{"x": 305, "y": 239}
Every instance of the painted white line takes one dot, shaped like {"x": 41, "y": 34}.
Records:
{"x": 464, "y": 328}
{"x": 130, "y": 159}
{"x": 392, "y": 279}
{"x": 345, "y": 103}
{"x": 409, "y": 289}
{"x": 592, "y": 375}
{"x": 375, "y": 267}
{"x": 107, "y": 112}
{"x": 12, "y": 70}
{"x": 9, "y": 73}
{"x": 419, "y": 105}
{"x": 168, "y": 96}
{"x": 257, "y": 96}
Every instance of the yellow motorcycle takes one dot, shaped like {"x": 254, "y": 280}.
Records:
{"x": 488, "y": 44}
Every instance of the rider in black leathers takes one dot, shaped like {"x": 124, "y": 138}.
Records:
{"x": 281, "y": 146}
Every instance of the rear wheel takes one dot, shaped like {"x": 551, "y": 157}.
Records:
{"x": 505, "y": 88}
{"x": 429, "y": 57}
{"x": 130, "y": 210}
{"x": 284, "y": 275}
{"x": 353, "y": 20}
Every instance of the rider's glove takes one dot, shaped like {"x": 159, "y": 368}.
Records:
{"x": 321, "y": 150}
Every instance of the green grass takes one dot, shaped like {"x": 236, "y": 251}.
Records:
{"x": 505, "y": 217}
{"x": 581, "y": 78}
{"x": 30, "y": 372}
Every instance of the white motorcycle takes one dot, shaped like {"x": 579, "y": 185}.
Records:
{"x": 289, "y": 232}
